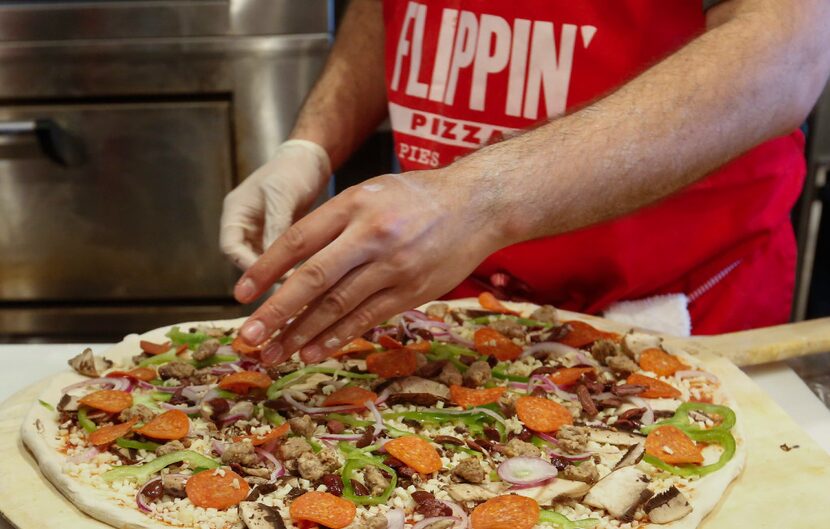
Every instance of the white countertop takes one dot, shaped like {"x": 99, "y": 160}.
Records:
{"x": 26, "y": 364}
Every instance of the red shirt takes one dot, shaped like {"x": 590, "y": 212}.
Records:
{"x": 463, "y": 73}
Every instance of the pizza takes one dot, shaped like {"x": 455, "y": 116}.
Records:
{"x": 474, "y": 414}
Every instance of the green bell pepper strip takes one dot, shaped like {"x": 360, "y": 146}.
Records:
{"x": 527, "y": 322}
{"x": 350, "y": 451}
{"x": 681, "y": 418}
{"x": 463, "y": 449}
{"x": 562, "y": 521}
{"x": 272, "y": 416}
{"x": 350, "y": 420}
{"x": 137, "y": 445}
{"x": 213, "y": 360}
{"x": 192, "y": 339}
{"x": 500, "y": 371}
{"x": 356, "y": 463}
{"x": 161, "y": 396}
{"x": 722, "y": 438}
{"x": 163, "y": 358}
{"x": 84, "y": 421}
{"x": 142, "y": 473}
{"x": 273, "y": 389}
{"x": 46, "y": 405}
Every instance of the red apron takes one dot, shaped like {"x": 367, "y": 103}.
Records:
{"x": 462, "y": 73}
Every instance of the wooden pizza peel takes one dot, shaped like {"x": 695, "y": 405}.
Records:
{"x": 777, "y": 488}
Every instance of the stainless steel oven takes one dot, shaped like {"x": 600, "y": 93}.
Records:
{"x": 122, "y": 126}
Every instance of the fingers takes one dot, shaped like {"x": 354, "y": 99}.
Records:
{"x": 233, "y": 243}
{"x": 378, "y": 307}
{"x": 333, "y": 305}
{"x": 299, "y": 242}
{"x": 307, "y": 283}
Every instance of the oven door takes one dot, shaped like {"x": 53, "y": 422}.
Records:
{"x": 110, "y": 203}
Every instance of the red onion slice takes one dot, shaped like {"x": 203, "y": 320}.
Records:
{"x": 279, "y": 470}
{"x": 84, "y": 456}
{"x": 383, "y": 396}
{"x": 195, "y": 393}
{"x": 695, "y": 373}
{"x": 522, "y": 470}
{"x": 549, "y": 386}
{"x": 556, "y": 348}
{"x": 340, "y": 436}
{"x": 218, "y": 447}
{"x": 164, "y": 389}
{"x": 458, "y": 512}
{"x": 395, "y": 519}
{"x": 119, "y": 383}
{"x": 378, "y": 426}
{"x": 648, "y": 416}
{"x": 139, "y": 497}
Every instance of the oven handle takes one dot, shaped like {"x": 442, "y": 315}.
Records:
{"x": 55, "y": 142}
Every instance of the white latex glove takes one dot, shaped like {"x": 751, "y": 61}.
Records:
{"x": 266, "y": 203}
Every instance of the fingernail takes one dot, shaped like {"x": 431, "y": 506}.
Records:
{"x": 312, "y": 354}
{"x": 245, "y": 289}
{"x": 253, "y": 332}
{"x": 273, "y": 354}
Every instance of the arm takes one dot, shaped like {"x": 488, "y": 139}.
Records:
{"x": 344, "y": 107}
{"x": 349, "y": 99}
{"x": 754, "y": 74}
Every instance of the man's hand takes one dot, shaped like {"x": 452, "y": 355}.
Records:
{"x": 267, "y": 202}
{"x": 376, "y": 249}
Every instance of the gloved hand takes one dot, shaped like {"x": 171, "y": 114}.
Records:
{"x": 263, "y": 206}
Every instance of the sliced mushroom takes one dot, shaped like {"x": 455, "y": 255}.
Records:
{"x": 418, "y": 399}
{"x": 636, "y": 342}
{"x": 620, "y": 493}
{"x": 612, "y": 437}
{"x": 466, "y": 492}
{"x": 632, "y": 456}
{"x": 88, "y": 364}
{"x": 68, "y": 403}
{"x": 260, "y": 516}
{"x": 420, "y": 385}
{"x": 174, "y": 484}
{"x": 557, "y": 488}
{"x": 668, "y": 506}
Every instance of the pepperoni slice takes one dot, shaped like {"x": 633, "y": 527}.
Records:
{"x": 169, "y": 426}
{"x": 565, "y": 376}
{"x": 108, "y": 400}
{"x": 470, "y": 398}
{"x": 493, "y": 343}
{"x": 258, "y": 440}
{"x": 671, "y": 445}
{"x": 323, "y": 508}
{"x": 356, "y": 346}
{"x": 145, "y": 374}
{"x": 154, "y": 348}
{"x": 241, "y": 382}
{"x": 655, "y": 389}
{"x": 542, "y": 415}
{"x": 581, "y": 334}
{"x": 660, "y": 362}
{"x": 506, "y": 512}
{"x": 415, "y": 453}
{"x": 240, "y": 346}
{"x": 489, "y": 302}
{"x": 108, "y": 434}
{"x": 353, "y": 395}
{"x": 387, "y": 342}
{"x": 392, "y": 363}
{"x": 218, "y": 488}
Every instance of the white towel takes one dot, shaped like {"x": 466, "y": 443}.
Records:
{"x": 667, "y": 314}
